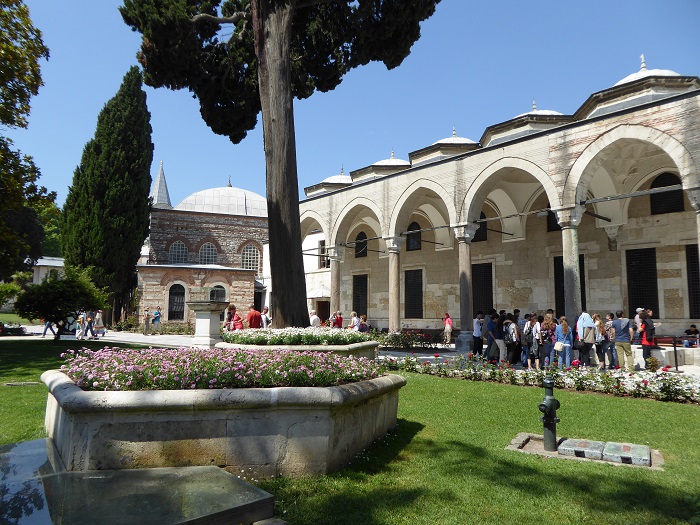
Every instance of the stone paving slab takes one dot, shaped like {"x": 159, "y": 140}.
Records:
{"x": 628, "y": 453}
{"x": 582, "y": 448}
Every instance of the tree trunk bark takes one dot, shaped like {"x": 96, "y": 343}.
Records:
{"x": 272, "y": 26}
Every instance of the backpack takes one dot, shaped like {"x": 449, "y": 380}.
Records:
{"x": 509, "y": 336}
{"x": 527, "y": 334}
{"x": 547, "y": 335}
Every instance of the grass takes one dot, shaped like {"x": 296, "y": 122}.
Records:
{"x": 12, "y": 318}
{"x": 446, "y": 463}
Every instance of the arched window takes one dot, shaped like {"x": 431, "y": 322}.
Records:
{"x": 208, "y": 254}
{"x": 361, "y": 245}
{"x": 481, "y": 233}
{"x": 177, "y": 253}
{"x": 413, "y": 240}
{"x": 250, "y": 258}
{"x": 669, "y": 201}
{"x": 217, "y": 293}
{"x": 176, "y": 303}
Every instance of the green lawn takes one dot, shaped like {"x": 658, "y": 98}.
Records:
{"x": 11, "y": 318}
{"x": 446, "y": 464}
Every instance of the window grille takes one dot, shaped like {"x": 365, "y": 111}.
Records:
{"x": 323, "y": 261}
{"x": 413, "y": 240}
{"x": 176, "y": 303}
{"x": 482, "y": 287}
{"x": 218, "y": 293}
{"x": 693, "y": 266}
{"x": 667, "y": 202}
{"x": 208, "y": 254}
{"x": 250, "y": 258}
{"x": 642, "y": 283}
{"x": 359, "y": 293}
{"x": 413, "y": 303}
{"x": 178, "y": 253}
{"x": 361, "y": 245}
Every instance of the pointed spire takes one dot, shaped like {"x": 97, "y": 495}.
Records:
{"x": 342, "y": 169}
{"x": 644, "y": 63}
{"x": 454, "y": 131}
{"x": 534, "y": 105}
{"x": 159, "y": 190}
{"x": 229, "y": 181}
{"x": 392, "y": 153}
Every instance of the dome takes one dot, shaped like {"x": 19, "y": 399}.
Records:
{"x": 454, "y": 139}
{"x": 227, "y": 200}
{"x": 392, "y": 161}
{"x": 341, "y": 178}
{"x": 644, "y": 72}
{"x": 536, "y": 111}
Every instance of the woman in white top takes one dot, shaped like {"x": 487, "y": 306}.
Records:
{"x": 354, "y": 322}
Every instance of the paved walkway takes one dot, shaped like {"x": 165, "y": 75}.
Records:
{"x": 175, "y": 341}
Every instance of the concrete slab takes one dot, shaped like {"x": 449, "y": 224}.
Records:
{"x": 582, "y": 448}
{"x": 628, "y": 453}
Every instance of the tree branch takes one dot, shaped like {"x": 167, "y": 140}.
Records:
{"x": 310, "y": 3}
{"x": 237, "y": 17}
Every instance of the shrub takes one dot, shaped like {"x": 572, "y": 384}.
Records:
{"x": 294, "y": 336}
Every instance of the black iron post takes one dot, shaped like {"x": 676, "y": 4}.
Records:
{"x": 548, "y": 407}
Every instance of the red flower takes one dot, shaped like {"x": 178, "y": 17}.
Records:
{"x": 436, "y": 355}
{"x": 471, "y": 355}
{"x": 645, "y": 382}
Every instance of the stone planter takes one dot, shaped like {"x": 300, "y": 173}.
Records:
{"x": 263, "y": 431}
{"x": 366, "y": 349}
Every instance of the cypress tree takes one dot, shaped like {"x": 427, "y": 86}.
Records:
{"x": 106, "y": 215}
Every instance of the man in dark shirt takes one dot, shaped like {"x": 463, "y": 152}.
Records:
{"x": 254, "y": 319}
{"x": 691, "y": 332}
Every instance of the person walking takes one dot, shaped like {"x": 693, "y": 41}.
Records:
{"x": 236, "y": 320}
{"x": 265, "y": 316}
{"x": 447, "y": 332}
{"x": 510, "y": 337}
{"x": 648, "y": 334}
{"x": 478, "y": 333}
{"x": 314, "y": 320}
{"x": 609, "y": 343}
{"x": 599, "y": 340}
{"x": 253, "y": 319}
{"x": 586, "y": 334}
{"x": 155, "y": 323}
{"x": 99, "y": 324}
{"x": 81, "y": 324}
{"x": 564, "y": 342}
{"x": 48, "y": 325}
{"x": 354, "y": 322}
{"x": 624, "y": 335}
{"x": 548, "y": 338}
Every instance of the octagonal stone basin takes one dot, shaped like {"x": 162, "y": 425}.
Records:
{"x": 263, "y": 431}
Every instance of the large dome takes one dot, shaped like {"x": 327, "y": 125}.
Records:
{"x": 644, "y": 72}
{"x": 226, "y": 200}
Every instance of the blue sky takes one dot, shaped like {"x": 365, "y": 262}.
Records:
{"x": 476, "y": 64}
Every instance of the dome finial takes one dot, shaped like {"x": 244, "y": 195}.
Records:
{"x": 392, "y": 153}
{"x": 454, "y": 131}
{"x": 644, "y": 63}
{"x": 534, "y": 105}
{"x": 229, "y": 181}
{"x": 342, "y": 169}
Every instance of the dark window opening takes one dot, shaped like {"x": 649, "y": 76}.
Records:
{"x": 693, "y": 266}
{"x": 359, "y": 294}
{"x": 323, "y": 260}
{"x": 481, "y": 233}
{"x": 413, "y": 303}
{"x": 642, "y": 283}
{"x": 361, "y": 245}
{"x": 482, "y": 287}
{"x": 176, "y": 303}
{"x": 413, "y": 240}
{"x": 667, "y": 202}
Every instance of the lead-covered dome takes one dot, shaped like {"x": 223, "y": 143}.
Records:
{"x": 644, "y": 72}
{"x": 226, "y": 200}
{"x": 392, "y": 161}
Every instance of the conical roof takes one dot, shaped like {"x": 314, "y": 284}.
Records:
{"x": 159, "y": 190}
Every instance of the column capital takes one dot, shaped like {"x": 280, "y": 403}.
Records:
{"x": 465, "y": 233}
{"x": 570, "y": 217}
{"x": 335, "y": 253}
{"x": 394, "y": 244}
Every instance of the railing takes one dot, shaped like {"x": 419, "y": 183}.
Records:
{"x": 676, "y": 339}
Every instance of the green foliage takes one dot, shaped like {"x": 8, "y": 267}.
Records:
{"x": 21, "y": 48}
{"x": 105, "y": 217}
{"x": 409, "y": 339}
{"x": 8, "y": 291}
{"x": 50, "y": 218}
{"x": 59, "y": 298}
{"x": 294, "y": 336}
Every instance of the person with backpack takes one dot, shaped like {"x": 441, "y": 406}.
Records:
{"x": 624, "y": 335}
{"x": 510, "y": 337}
{"x": 548, "y": 337}
{"x": 531, "y": 336}
{"x": 564, "y": 336}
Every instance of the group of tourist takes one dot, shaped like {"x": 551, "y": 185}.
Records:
{"x": 254, "y": 319}
{"x": 152, "y": 321}
{"x": 537, "y": 341}
{"x": 89, "y": 325}
{"x": 357, "y": 323}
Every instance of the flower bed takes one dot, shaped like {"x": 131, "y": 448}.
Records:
{"x": 661, "y": 385}
{"x": 187, "y": 368}
{"x": 294, "y": 336}
{"x": 232, "y": 408}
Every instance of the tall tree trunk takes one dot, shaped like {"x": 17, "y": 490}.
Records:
{"x": 272, "y": 26}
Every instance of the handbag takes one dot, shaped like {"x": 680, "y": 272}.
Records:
{"x": 558, "y": 346}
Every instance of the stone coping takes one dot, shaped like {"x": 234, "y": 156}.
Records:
{"x": 74, "y": 399}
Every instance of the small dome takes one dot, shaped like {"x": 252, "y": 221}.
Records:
{"x": 644, "y": 72}
{"x": 341, "y": 178}
{"x": 392, "y": 161}
{"x": 536, "y": 111}
{"x": 227, "y": 200}
{"x": 454, "y": 139}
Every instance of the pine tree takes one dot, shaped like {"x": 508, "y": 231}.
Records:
{"x": 106, "y": 215}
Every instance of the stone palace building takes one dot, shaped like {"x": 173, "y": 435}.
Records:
{"x": 597, "y": 210}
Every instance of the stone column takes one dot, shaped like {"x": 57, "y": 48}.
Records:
{"x": 464, "y": 235}
{"x": 335, "y": 254}
{"x": 569, "y": 221}
{"x": 394, "y": 245}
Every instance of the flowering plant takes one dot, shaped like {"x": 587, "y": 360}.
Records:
{"x": 187, "y": 368}
{"x": 294, "y": 336}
